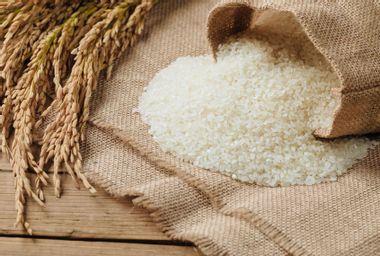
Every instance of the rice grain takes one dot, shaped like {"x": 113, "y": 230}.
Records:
{"x": 250, "y": 116}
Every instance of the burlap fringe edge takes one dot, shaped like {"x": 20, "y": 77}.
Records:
{"x": 204, "y": 244}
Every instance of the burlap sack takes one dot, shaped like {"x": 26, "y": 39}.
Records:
{"x": 345, "y": 32}
{"x": 221, "y": 216}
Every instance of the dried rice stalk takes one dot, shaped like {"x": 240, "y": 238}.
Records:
{"x": 35, "y": 58}
{"x": 31, "y": 97}
{"x": 100, "y": 46}
{"x": 26, "y": 28}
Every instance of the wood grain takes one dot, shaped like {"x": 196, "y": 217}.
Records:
{"x": 79, "y": 223}
{"x": 44, "y": 247}
{"x": 4, "y": 163}
{"x": 78, "y": 214}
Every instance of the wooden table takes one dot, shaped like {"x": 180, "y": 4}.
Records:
{"x": 80, "y": 224}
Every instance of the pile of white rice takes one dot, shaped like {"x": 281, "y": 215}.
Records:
{"x": 250, "y": 116}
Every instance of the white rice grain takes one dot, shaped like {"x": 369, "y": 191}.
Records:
{"x": 250, "y": 116}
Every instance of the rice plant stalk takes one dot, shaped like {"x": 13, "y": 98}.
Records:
{"x": 40, "y": 77}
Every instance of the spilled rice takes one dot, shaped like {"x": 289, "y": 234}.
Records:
{"x": 250, "y": 115}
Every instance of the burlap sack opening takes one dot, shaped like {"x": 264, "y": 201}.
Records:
{"x": 345, "y": 32}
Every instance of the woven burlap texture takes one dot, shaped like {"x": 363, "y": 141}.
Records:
{"x": 222, "y": 216}
{"x": 346, "y": 32}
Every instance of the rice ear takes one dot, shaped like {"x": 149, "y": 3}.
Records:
{"x": 35, "y": 60}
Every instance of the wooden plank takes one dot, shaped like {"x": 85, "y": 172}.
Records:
{"x": 4, "y": 163}
{"x": 45, "y": 247}
{"x": 78, "y": 214}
